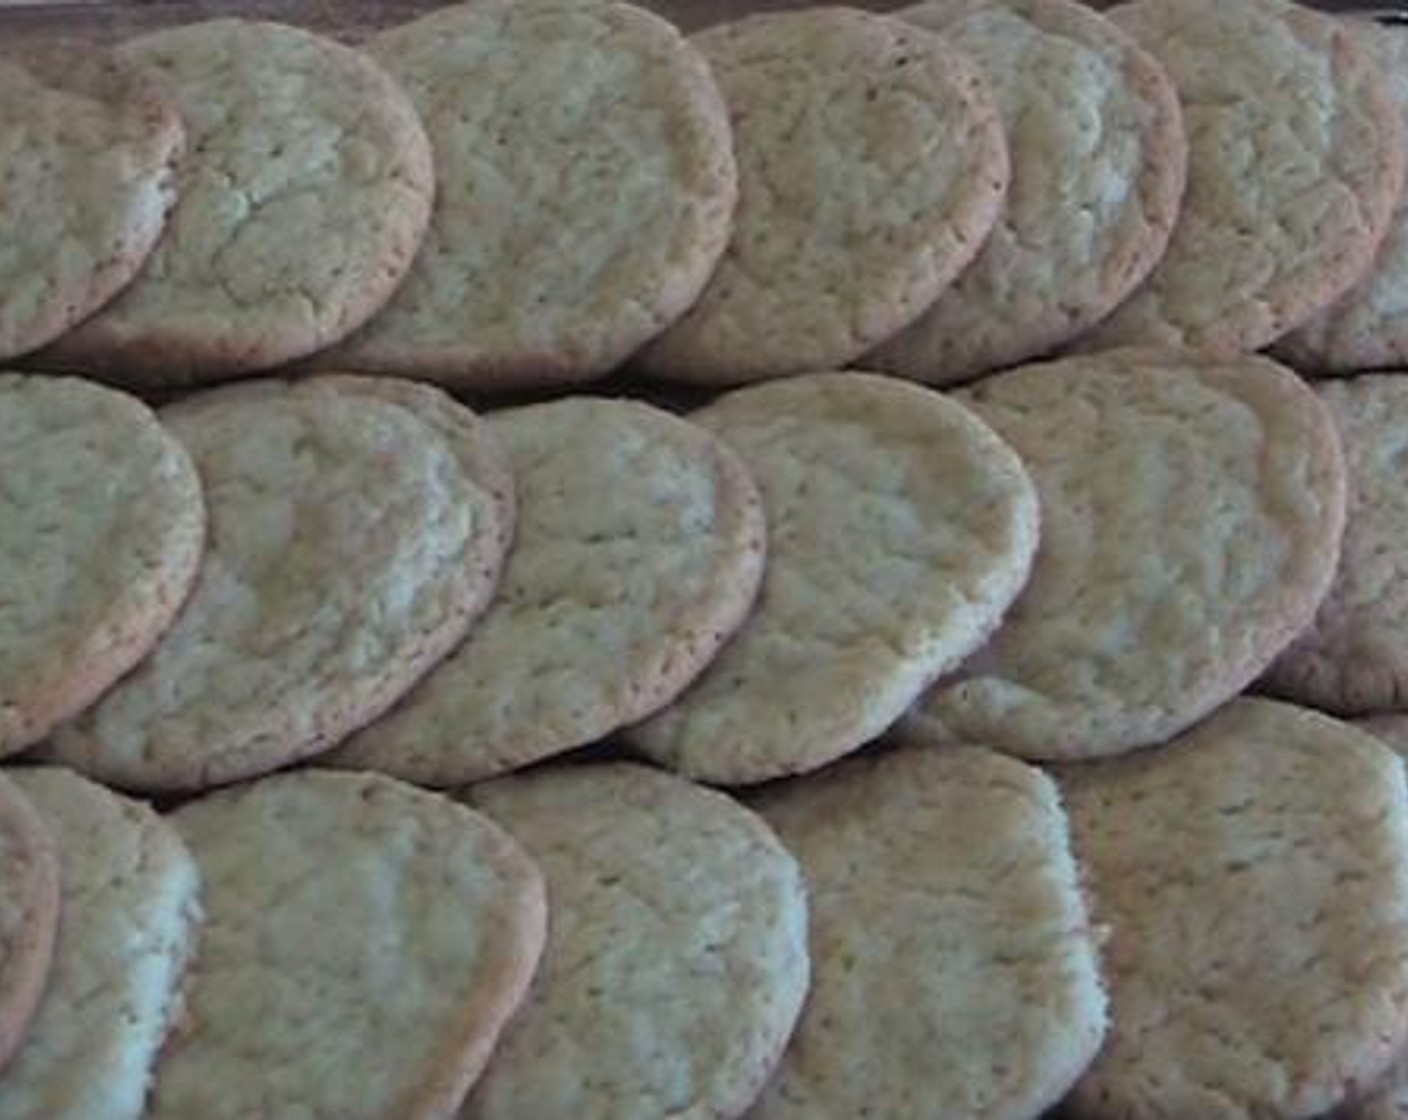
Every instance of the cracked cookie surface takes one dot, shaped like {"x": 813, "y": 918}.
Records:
{"x": 1254, "y": 878}
{"x": 871, "y": 166}
{"x": 953, "y": 959}
{"x": 1191, "y": 524}
{"x": 677, "y": 962}
{"x": 88, "y": 148}
{"x": 900, "y": 528}
{"x": 596, "y": 121}
{"x": 348, "y": 553}
{"x": 131, "y": 917}
{"x": 304, "y": 193}
{"x": 1295, "y": 163}
{"x": 313, "y": 879}
{"x": 1098, "y": 166}
{"x": 639, "y": 552}
{"x": 104, "y": 529}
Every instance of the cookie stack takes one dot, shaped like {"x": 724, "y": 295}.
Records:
{"x": 945, "y": 671}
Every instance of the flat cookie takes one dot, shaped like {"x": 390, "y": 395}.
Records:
{"x": 1191, "y": 523}
{"x": 1353, "y": 658}
{"x": 365, "y": 942}
{"x": 871, "y": 167}
{"x": 131, "y": 917}
{"x": 88, "y": 146}
{"x": 1254, "y": 878}
{"x": 955, "y": 968}
{"x": 1296, "y": 159}
{"x": 639, "y": 552}
{"x": 1098, "y": 166}
{"x": 677, "y": 962}
{"x": 303, "y": 198}
{"x": 1367, "y": 328}
{"x": 29, "y": 914}
{"x": 104, "y": 526}
{"x": 349, "y": 552}
{"x": 900, "y": 530}
{"x": 587, "y": 191}
{"x": 1386, "y": 1097}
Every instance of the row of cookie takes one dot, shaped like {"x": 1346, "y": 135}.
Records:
{"x": 907, "y": 931}
{"x": 785, "y": 193}
{"x": 359, "y": 578}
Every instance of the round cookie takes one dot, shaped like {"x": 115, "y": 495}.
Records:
{"x": 639, "y": 552}
{"x": 677, "y": 962}
{"x": 303, "y": 198}
{"x": 131, "y": 916}
{"x": 953, "y": 960}
{"x": 88, "y": 146}
{"x": 349, "y": 551}
{"x": 365, "y": 942}
{"x": 1353, "y": 658}
{"x": 1296, "y": 159}
{"x": 900, "y": 530}
{"x": 1098, "y": 165}
{"x": 103, "y": 530}
{"x": 29, "y": 914}
{"x": 1191, "y": 523}
{"x": 871, "y": 166}
{"x": 1253, "y": 876}
{"x": 587, "y": 191}
{"x": 1367, "y": 328}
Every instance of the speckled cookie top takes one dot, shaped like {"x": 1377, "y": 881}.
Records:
{"x": 131, "y": 916}
{"x": 304, "y": 194}
{"x": 1353, "y": 659}
{"x": 639, "y": 552}
{"x": 1098, "y": 163}
{"x": 104, "y": 525}
{"x": 595, "y": 120}
{"x": 953, "y": 958}
{"x": 1295, "y": 164}
{"x": 900, "y": 529}
{"x": 344, "y": 561}
{"x": 88, "y": 146}
{"x": 1191, "y": 523}
{"x": 677, "y": 961}
{"x": 365, "y": 943}
{"x": 1254, "y": 879}
{"x": 871, "y": 166}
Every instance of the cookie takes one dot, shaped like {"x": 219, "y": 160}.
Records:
{"x": 639, "y": 552}
{"x": 349, "y": 552}
{"x": 1295, "y": 164}
{"x": 1098, "y": 163}
{"x": 365, "y": 942}
{"x": 305, "y": 193}
{"x": 29, "y": 914}
{"x": 1353, "y": 658}
{"x": 901, "y": 528}
{"x": 131, "y": 917}
{"x": 954, "y": 965}
{"x": 1253, "y": 875}
{"x": 677, "y": 962}
{"x": 1191, "y": 522}
{"x": 587, "y": 191}
{"x": 1367, "y": 328}
{"x": 871, "y": 167}
{"x": 104, "y": 526}
{"x": 88, "y": 146}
